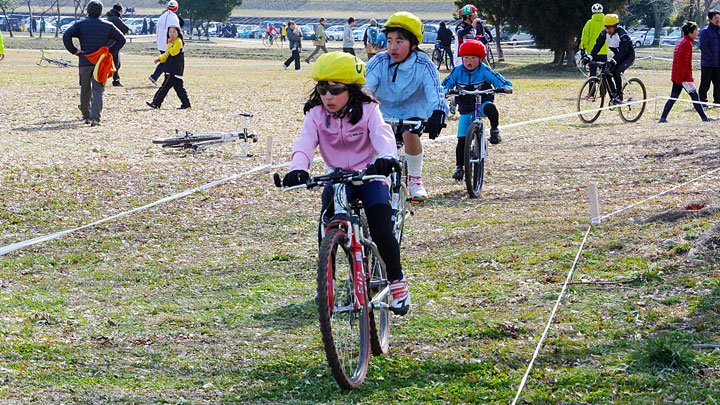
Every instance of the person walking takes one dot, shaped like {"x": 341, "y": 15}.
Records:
{"x": 283, "y": 34}
{"x": 95, "y": 63}
{"x": 710, "y": 57}
{"x": 370, "y": 39}
{"x": 682, "y": 77}
{"x": 144, "y": 30}
{"x": 174, "y": 59}
{"x": 114, "y": 16}
{"x": 445, "y": 36}
{"x": 320, "y": 40}
{"x": 294, "y": 38}
{"x": 167, "y": 19}
{"x": 151, "y": 26}
{"x": 348, "y": 40}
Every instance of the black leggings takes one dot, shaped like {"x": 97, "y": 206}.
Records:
{"x": 675, "y": 93}
{"x": 380, "y": 222}
{"x": 171, "y": 82}
{"x": 493, "y": 115}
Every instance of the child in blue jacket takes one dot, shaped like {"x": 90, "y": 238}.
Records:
{"x": 474, "y": 75}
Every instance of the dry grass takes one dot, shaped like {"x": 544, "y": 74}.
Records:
{"x": 209, "y": 298}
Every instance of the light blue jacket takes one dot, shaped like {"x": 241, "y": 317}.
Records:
{"x": 410, "y": 89}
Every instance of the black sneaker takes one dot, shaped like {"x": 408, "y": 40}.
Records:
{"x": 151, "y": 105}
{"x": 495, "y": 136}
{"x": 459, "y": 174}
{"x": 184, "y": 107}
{"x": 94, "y": 123}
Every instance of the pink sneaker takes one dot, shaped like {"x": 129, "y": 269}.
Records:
{"x": 417, "y": 190}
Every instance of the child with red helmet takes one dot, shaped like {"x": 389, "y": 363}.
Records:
{"x": 474, "y": 75}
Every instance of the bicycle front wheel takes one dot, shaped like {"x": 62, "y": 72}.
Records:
{"x": 185, "y": 140}
{"x": 633, "y": 91}
{"x": 266, "y": 41}
{"x": 344, "y": 322}
{"x": 591, "y": 97}
{"x": 474, "y": 159}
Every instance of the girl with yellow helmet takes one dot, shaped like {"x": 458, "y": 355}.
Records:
{"x": 407, "y": 84}
{"x": 345, "y": 122}
{"x": 618, "y": 41}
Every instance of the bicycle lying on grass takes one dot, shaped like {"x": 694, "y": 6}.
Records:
{"x": 54, "y": 61}
{"x": 593, "y": 91}
{"x": 353, "y": 292}
{"x": 203, "y": 140}
{"x": 476, "y": 144}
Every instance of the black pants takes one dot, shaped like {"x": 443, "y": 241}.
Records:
{"x": 675, "y": 93}
{"x": 296, "y": 57}
{"x": 159, "y": 69}
{"x": 380, "y": 222}
{"x": 616, "y": 73}
{"x": 349, "y": 50}
{"x": 116, "y": 76}
{"x": 177, "y": 84}
{"x": 709, "y": 75}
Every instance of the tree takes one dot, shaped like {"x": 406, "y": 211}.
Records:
{"x": 653, "y": 13}
{"x": 494, "y": 11}
{"x": 6, "y": 5}
{"x": 199, "y": 12}
{"x": 556, "y": 24}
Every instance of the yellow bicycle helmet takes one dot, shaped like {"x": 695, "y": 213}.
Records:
{"x": 408, "y": 21}
{"x": 339, "y": 67}
{"x": 610, "y": 19}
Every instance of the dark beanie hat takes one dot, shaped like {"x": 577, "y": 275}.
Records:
{"x": 117, "y": 7}
{"x": 94, "y": 8}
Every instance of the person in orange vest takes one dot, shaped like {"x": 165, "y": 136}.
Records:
{"x": 94, "y": 58}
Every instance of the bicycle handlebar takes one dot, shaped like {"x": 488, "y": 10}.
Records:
{"x": 337, "y": 176}
{"x": 462, "y": 92}
{"x": 401, "y": 122}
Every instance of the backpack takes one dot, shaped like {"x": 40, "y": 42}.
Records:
{"x": 373, "y": 35}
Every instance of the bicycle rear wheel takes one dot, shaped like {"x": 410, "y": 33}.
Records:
{"x": 437, "y": 56}
{"x": 634, "y": 90}
{"x": 401, "y": 205}
{"x": 591, "y": 97}
{"x": 185, "y": 141}
{"x": 474, "y": 159}
{"x": 344, "y": 323}
{"x": 379, "y": 318}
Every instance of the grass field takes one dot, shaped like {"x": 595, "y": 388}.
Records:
{"x": 209, "y": 299}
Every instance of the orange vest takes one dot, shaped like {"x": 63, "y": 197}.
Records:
{"x": 104, "y": 65}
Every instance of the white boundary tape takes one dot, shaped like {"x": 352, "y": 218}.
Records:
{"x": 552, "y": 315}
{"x": 689, "y": 101}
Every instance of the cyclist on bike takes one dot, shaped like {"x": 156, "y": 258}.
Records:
{"x": 466, "y": 29}
{"x": 482, "y": 33}
{"x": 474, "y": 75}
{"x": 590, "y": 33}
{"x": 407, "y": 84}
{"x": 271, "y": 32}
{"x": 618, "y": 41}
{"x": 445, "y": 38}
{"x": 346, "y": 123}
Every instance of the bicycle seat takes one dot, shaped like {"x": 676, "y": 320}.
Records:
{"x": 240, "y": 115}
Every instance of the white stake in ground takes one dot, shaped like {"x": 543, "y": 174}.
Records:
{"x": 268, "y": 151}
{"x": 594, "y": 204}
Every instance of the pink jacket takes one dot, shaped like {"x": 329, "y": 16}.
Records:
{"x": 343, "y": 145}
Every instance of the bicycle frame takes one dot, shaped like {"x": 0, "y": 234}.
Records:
{"x": 226, "y": 137}
{"x": 605, "y": 76}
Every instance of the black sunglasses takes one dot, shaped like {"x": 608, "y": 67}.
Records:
{"x": 323, "y": 89}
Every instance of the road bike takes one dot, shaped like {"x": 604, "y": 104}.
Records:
{"x": 272, "y": 39}
{"x": 476, "y": 144}
{"x": 353, "y": 292}
{"x": 203, "y": 140}
{"x": 400, "y": 191}
{"x": 54, "y": 61}
{"x": 593, "y": 91}
{"x": 441, "y": 56}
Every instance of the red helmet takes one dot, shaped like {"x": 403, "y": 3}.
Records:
{"x": 472, "y": 48}
{"x": 467, "y": 10}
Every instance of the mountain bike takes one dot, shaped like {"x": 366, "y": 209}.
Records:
{"x": 400, "y": 191}
{"x": 54, "y": 61}
{"x": 203, "y": 140}
{"x": 270, "y": 40}
{"x": 593, "y": 91}
{"x": 353, "y": 292}
{"x": 441, "y": 55}
{"x": 476, "y": 144}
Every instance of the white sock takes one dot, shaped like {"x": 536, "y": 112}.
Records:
{"x": 414, "y": 164}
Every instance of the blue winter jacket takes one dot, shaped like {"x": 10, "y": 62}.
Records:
{"x": 710, "y": 46}
{"x": 410, "y": 89}
{"x": 93, "y": 34}
{"x": 482, "y": 77}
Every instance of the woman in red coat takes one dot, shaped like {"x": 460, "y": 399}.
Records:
{"x": 682, "y": 71}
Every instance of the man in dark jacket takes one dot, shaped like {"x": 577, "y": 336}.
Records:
{"x": 113, "y": 15}
{"x": 618, "y": 41}
{"x": 93, "y": 34}
{"x": 710, "y": 58}
{"x": 445, "y": 37}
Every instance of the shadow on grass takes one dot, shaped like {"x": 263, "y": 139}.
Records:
{"x": 540, "y": 70}
{"x": 290, "y": 316}
{"x": 51, "y": 126}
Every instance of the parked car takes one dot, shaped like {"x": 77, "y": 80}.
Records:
{"x": 251, "y": 31}
{"x": 134, "y": 25}
{"x": 308, "y": 33}
{"x": 522, "y": 38}
{"x": 359, "y": 32}
{"x": 431, "y": 31}
{"x": 334, "y": 33}
{"x": 504, "y": 36}
{"x": 14, "y": 23}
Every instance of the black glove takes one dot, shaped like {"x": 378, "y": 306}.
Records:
{"x": 586, "y": 59}
{"x": 435, "y": 123}
{"x": 383, "y": 166}
{"x": 583, "y": 54}
{"x": 611, "y": 64}
{"x": 295, "y": 178}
